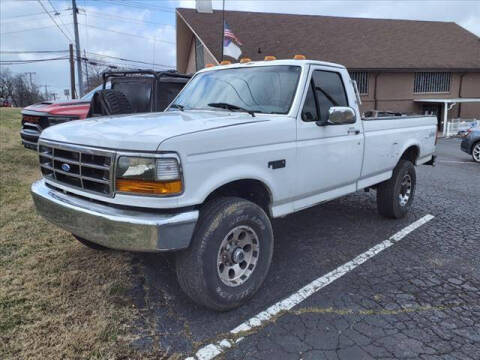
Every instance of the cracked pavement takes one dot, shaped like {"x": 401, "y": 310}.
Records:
{"x": 418, "y": 299}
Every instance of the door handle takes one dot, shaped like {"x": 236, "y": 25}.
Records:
{"x": 353, "y": 132}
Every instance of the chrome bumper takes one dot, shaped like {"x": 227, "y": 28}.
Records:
{"x": 124, "y": 229}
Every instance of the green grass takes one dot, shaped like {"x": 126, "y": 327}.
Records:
{"x": 58, "y": 299}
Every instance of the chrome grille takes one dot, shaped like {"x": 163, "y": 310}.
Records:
{"x": 79, "y": 167}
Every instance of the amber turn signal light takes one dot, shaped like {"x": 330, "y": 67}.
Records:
{"x": 270, "y": 58}
{"x": 149, "y": 187}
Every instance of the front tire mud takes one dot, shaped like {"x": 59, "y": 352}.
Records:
{"x": 199, "y": 270}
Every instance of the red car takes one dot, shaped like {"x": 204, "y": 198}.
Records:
{"x": 37, "y": 117}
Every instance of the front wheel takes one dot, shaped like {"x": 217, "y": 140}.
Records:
{"x": 230, "y": 254}
{"x": 395, "y": 196}
{"x": 476, "y": 152}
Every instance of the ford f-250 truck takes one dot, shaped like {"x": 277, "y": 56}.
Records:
{"x": 240, "y": 144}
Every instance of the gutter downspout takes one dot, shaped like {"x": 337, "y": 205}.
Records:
{"x": 375, "y": 103}
{"x": 460, "y": 94}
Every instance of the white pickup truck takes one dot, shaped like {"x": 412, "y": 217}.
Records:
{"x": 240, "y": 144}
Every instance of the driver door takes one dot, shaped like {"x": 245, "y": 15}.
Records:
{"x": 329, "y": 157}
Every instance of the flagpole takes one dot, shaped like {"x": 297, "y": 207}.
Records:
{"x": 223, "y": 26}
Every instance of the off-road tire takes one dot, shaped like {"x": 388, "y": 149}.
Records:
{"x": 476, "y": 147}
{"x": 197, "y": 269}
{"x": 388, "y": 201}
{"x": 115, "y": 102}
{"x": 89, "y": 244}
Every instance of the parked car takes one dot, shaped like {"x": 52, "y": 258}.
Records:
{"x": 122, "y": 92}
{"x": 37, "y": 117}
{"x": 241, "y": 144}
{"x": 5, "y": 103}
{"x": 471, "y": 143}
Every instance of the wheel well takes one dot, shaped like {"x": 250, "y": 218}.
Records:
{"x": 411, "y": 154}
{"x": 473, "y": 145}
{"x": 248, "y": 189}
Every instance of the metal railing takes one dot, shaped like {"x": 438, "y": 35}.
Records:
{"x": 456, "y": 125}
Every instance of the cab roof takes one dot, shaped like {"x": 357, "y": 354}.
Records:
{"x": 291, "y": 62}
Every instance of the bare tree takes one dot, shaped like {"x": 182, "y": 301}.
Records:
{"x": 17, "y": 89}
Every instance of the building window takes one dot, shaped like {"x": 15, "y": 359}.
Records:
{"x": 432, "y": 82}
{"x": 199, "y": 58}
{"x": 361, "y": 78}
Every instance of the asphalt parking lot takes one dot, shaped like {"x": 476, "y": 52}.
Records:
{"x": 419, "y": 298}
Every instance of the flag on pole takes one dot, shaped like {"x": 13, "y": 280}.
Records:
{"x": 231, "y": 44}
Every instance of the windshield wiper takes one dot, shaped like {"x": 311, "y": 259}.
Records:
{"x": 228, "y": 106}
{"x": 178, "y": 106}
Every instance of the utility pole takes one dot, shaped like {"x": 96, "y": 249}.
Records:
{"x": 77, "y": 49}
{"x": 72, "y": 72}
{"x": 86, "y": 68}
{"x": 223, "y": 27}
{"x": 46, "y": 91}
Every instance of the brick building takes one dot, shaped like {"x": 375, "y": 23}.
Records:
{"x": 399, "y": 65}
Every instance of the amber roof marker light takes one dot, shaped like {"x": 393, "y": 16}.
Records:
{"x": 245, "y": 60}
{"x": 225, "y": 62}
{"x": 300, "y": 57}
{"x": 209, "y": 65}
{"x": 269, "y": 58}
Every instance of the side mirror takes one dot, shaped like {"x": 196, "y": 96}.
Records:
{"x": 339, "y": 115}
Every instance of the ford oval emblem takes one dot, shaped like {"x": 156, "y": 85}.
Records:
{"x": 66, "y": 167}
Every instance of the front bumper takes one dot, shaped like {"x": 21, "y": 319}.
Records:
{"x": 466, "y": 146}
{"x": 123, "y": 229}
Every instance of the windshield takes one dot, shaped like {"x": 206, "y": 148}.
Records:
{"x": 88, "y": 96}
{"x": 263, "y": 89}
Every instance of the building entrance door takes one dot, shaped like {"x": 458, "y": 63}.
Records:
{"x": 434, "y": 109}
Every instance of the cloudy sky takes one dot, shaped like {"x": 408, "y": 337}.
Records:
{"x": 144, "y": 30}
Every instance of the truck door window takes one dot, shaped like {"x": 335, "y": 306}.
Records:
{"x": 329, "y": 91}
{"x": 310, "y": 110}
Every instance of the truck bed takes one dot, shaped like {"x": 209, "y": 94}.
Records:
{"x": 385, "y": 141}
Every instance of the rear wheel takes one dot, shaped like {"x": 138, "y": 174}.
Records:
{"x": 476, "y": 152}
{"x": 395, "y": 196}
{"x": 230, "y": 254}
{"x": 89, "y": 244}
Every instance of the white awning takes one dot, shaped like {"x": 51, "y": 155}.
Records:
{"x": 448, "y": 104}
{"x": 455, "y": 100}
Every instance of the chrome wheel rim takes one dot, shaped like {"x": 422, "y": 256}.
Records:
{"x": 405, "y": 190}
{"x": 476, "y": 152}
{"x": 238, "y": 256}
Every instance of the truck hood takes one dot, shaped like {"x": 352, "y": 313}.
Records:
{"x": 142, "y": 132}
{"x": 62, "y": 108}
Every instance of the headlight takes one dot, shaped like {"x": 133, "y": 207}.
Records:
{"x": 158, "y": 176}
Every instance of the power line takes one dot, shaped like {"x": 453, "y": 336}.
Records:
{"x": 140, "y": 6}
{"x": 19, "y": 31}
{"x": 26, "y": 15}
{"x": 33, "y": 51}
{"x": 129, "y": 60}
{"x": 29, "y": 61}
{"x": 58, "y": 13}
{"x": 51, "y": 17}
{"x": 130, "y": 34}
{"x": 128, "y": 19}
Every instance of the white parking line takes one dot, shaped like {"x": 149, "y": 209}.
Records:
{"x": 210, "y": 351}
{"x": 456, "y": 162}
